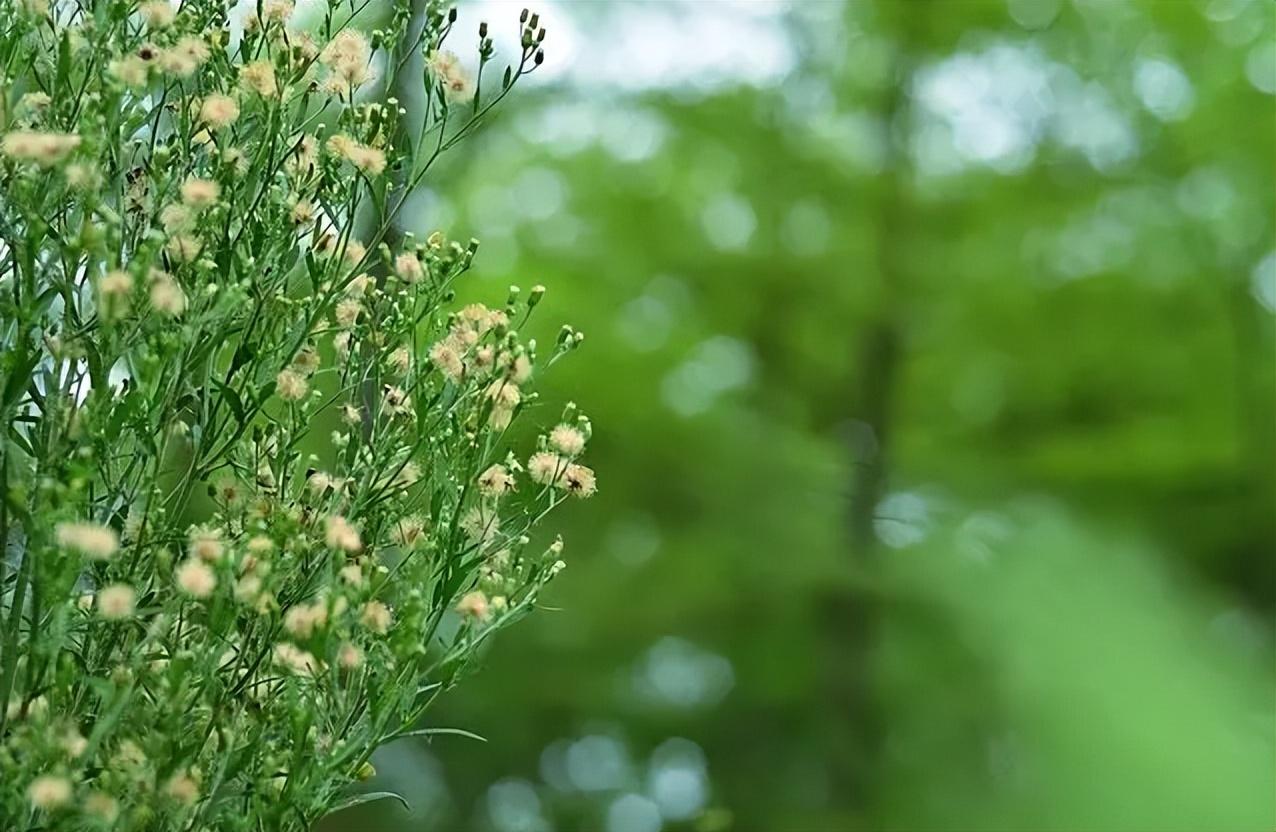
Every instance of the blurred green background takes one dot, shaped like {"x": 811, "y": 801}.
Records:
{"x": 930, "y": 349}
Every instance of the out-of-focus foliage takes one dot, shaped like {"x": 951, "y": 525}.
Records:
{"x": 1074, "y": 685}
{"x": 1027, "y": 249}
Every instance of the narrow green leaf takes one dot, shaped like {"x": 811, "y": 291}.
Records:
{"x": 368, "y": 797}
{"x": 232, "y": 400}
{"x": 429, "y": 732}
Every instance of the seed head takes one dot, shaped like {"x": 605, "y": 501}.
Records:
{"x": 474, "y": 605}
{"x": 376, "y": 617}
{"x": 195, "y": 578}
{"x": 339, "y": 534}
{"x": 218, "y": 111}
{"x": 116, "y": 602}
{"x": 49, "y": 791}
{"x": 93, "y": 540}
{"x": 567, "y": 440}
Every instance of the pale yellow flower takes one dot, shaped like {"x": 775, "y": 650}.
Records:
{"x": 447, "y": 69}
{"x": 496, "y": 481}
{"x": 340, "y": 534}
{"x": 579, "y": 481}
{"x": 43, "y": 149}
{"x": 49, "y": 791}
{"x": 200, "y": 193}
{"x": 116, "y": 602}
{"x": 291, "y": 385}
{"x": 101, "y": 806}
{"x": 408, "y": 267}
{"x": 346, "y": 56}
{"x": 90, "y": 539}
{"x": 444, "y": 356}
{"x": 218, "y": 111}
{"x": 183, "y": 788}
{"x": 474, "y": 605}
{"x": 182, "y": 59}
{"x": 195, "y": 578}
{"x": 297, "y": 660}
{"x": 546, "y": 468}
{"x": 349, "y": 656}
{"x": 259, "y": 76}
{"x": 131, "y": 71}
{"x": 157, "y": 13}
{"x": 376, "y": 617}
{"x": 115, "y": 284}
{"x": 166, "y": 295}
{"x": 184, "y": 248}
{"x": 205, "y": 544}
{"x": 567, "y": 439}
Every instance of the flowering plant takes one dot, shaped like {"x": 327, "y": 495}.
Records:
{"x": 204, "y": 291}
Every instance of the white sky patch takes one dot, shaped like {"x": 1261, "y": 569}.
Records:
{"x": 647, "y": 321}
{"x": 728, "y": 221}
{"x": 1087, "y": 121}
{"x": 1163, "y": 88}
{"x": 637, "y": 46}
{"x": 902, "y": 519}
{"x": 1093, "y": 243}
{"x": 633, "y": 813}
{"x": 514, "y": 806}
{"x": 1033, "y": 14}
{"x": 675, "y": 673}
{"x": 1223, "y": 10}
{"x": 996, "y": 107}
{"x": 1263, "y": 282}
{"x": 1260, "y": 67}
{"x": 1207, "y": 193}
{"x": 677, "y": 779}
{"x": 717, "y": 366}
{"x": 598, "y": 763}
{"x": 807, "y": 228}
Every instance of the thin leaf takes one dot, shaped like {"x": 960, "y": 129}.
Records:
{"x": 428, "y": 732}
{"x": 368, "y": 797}
{"x": 232, "y": 400}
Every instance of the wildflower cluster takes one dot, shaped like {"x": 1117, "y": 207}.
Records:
{"x": 259, "y": 501}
